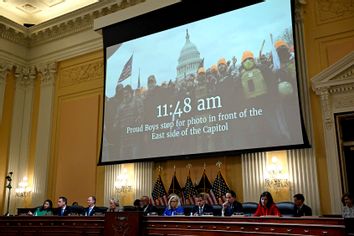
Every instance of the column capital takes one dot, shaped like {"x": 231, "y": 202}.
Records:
{"x": 5, "y": 68}
{"x": 48, "y": 73}
{"x": 25, "y": 75}
{"x": 299, "y": 8}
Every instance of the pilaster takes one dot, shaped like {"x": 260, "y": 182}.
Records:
{"x": 47, "y": 75}
{"x": 4, "y": 70}
{"x": 20, "y": 130}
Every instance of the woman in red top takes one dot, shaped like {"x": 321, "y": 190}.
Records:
{"x": 266, "y": 206}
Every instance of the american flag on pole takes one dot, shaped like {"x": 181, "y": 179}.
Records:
{"x": 127, "y": 70}
{"x": 220, "y": 187}
{"x": 204, "y": 186}
{"x": 175, "y": 187}
{"x": 189, "y": 190}
{"x": 159, "y": 194}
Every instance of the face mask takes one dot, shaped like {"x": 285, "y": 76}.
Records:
{"x": 248, "y": 64}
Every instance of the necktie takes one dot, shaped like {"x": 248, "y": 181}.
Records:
{"x": 62, "y": 212}
{"x": 200, "y": 210}
{"x": 89, "y": 211}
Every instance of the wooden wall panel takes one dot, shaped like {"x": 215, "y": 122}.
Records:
{"x": 77, "y": 130}
{"x": 77, "y": 148}
{"x": 329, "y": 35}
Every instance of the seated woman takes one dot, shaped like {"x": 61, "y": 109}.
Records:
{"x": 174, "y": 207}
{"x": 266, "y": 206}
{"x": 113, "y": 205}
{"x": 348, "y": 208}
{"x": 45, "y": 210}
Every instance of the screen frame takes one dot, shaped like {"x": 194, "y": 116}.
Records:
{"x": 151, "y": 23}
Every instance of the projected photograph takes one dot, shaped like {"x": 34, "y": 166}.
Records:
{"x": 224, "y": 83}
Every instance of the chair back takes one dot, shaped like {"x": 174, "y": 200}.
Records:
{"x": 286, "y": 208}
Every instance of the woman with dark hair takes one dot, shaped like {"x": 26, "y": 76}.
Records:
{"x": 45, "y": 210}
{"x": 348, "y": 209}
{"x": 266, "y": 206}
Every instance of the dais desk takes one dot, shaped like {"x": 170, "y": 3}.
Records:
{"x": 135, "y": 224}
{"x": 52, "y": 225}
{"x": 240, "y": 225}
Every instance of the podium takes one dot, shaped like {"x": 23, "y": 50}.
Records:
{"x": 125, "y": 223}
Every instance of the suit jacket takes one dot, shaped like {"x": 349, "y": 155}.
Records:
{"x": 303, "y": 211}
{"x": 150, "y": 208}
{"x": 236, "y": 207}
{"x": 93, "y": 211}
{"x": 67, "y": 211}
{"x": 206, "y": 209}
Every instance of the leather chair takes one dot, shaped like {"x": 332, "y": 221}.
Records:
{"x": 249, "y": 208}
{"x": 286, "y": 208}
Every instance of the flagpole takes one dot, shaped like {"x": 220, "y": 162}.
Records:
{"x": 173, "y": 181}
{"x": 131, "y": 77}
{"x": 218, "y": 164}
{"x": 204, "y": 178}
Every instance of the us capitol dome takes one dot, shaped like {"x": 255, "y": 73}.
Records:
{"x": 189, "y": 59}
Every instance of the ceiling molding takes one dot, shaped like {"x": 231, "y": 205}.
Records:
{"x": 13, "y": 32}
{"x": 60, "y": 27}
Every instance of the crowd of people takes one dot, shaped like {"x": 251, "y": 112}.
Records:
{"x": 266, "y": 206}
{"x": 255, "y": 82}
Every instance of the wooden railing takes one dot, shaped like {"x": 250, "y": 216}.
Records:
{"x": 52, "y": 225}
{"x": 157, "y": 225}
{"x": 135, "y": 224}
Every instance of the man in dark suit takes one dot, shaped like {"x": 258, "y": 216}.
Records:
{"x": 300, "y": 209}
{"x": 146, "y": 206}
{"x": 201, "y": 207}
{"x": 63, "y": 209}
{"x": 231, "y": 206}
{"x": 91, "y": 209}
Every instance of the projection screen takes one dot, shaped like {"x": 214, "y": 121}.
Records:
{"x": 224, "y": 83}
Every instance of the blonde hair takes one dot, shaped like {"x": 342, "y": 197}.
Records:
{"x": 174, "y": 197}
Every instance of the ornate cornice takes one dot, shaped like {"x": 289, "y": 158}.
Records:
{"x": 63, "y": 26}
{"x": 345, "y": 75}
{"x": 345, "y": 88}
{"x": 334, "y": 86}
{"x": 13, "y": 32}
{"x": 338, "y": 74}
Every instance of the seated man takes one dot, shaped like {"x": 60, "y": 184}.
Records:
{"x": 231, "y": 206}
{"x": 63, "y": 209}
{"x": 146, "y": 206}
{"x": 201, "y": 207}
{"x": 91, "y": 209}
{"x": 300, "y": 209}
